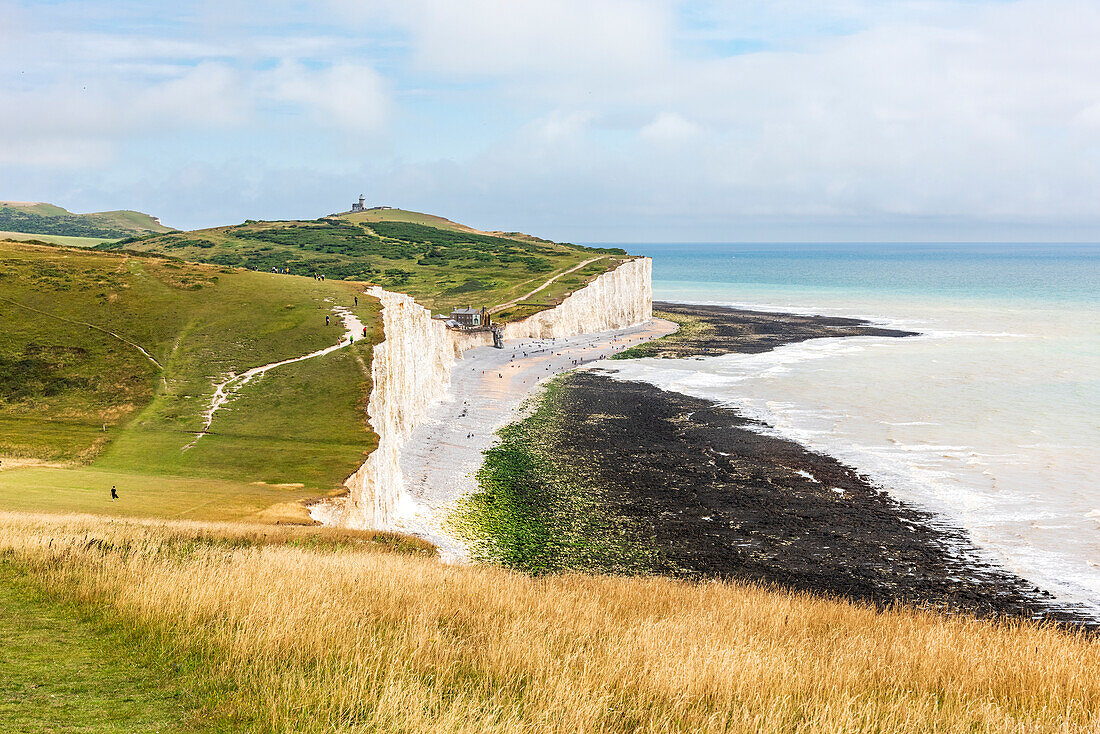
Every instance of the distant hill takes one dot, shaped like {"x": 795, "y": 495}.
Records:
{"x": 30, "y": 218}
{"x": 439, "y": 262}
{"x": 389, "y": 214}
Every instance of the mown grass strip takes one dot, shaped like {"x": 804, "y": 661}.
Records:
{"x": 67, "y": 668}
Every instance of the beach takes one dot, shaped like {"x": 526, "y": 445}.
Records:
{"x": 900, "y": 426}
{"x": 689, "y": 488}
{"x": 488, "y": 388}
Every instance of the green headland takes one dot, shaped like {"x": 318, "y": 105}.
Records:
{"x": 113, "y": 355}
{"x": 441, "y": 263}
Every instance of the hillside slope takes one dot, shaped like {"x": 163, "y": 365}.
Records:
{"x": 47, "y": 219}
{"x": 440, "y": 263}
{"x": 123, "y": 363}
{"x": 311, "y": 637}
{"x": 109, "y": 362}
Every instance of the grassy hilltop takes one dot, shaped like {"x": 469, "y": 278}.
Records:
{"x": 51, "y": 223}
{"x": 253, "y": 629}
{"x": 441, "y": 263}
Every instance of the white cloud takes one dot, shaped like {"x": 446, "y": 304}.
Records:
{"x": 869, "y": 112}
{"x": 348, "y": 96}
{"x": 520, "y": 38}
{"x": 559, "y": 127}
{"x": 986, "y": 117}
{"x": 80, "y": 121}
{"x": 78, "y": 107}
{"x": 669, "y": 127}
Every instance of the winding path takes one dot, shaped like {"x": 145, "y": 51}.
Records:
{"x": 525, "y": 296}
{"x": 224, "y": 390}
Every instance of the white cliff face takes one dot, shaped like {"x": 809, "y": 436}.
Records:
{"x": 617, "y": 299}
{"x": 411, "y": 372}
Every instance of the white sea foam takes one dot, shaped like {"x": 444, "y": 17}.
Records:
{"x": 988, "y": 419}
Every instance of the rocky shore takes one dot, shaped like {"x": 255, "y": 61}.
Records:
{"x": 623, "y": 477}
{"x": 715, "y": 330}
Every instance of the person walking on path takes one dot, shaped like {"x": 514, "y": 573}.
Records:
{"x": 114, "y": 493}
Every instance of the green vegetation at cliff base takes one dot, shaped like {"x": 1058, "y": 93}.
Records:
{"x": 539, "y": 514}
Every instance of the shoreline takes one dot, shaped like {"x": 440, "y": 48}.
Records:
{"x": 488, "y": 390}
{"x": 707, "y": 495}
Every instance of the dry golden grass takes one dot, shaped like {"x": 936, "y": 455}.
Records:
{"x": 340, "y": 638}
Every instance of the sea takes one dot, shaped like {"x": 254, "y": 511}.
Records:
{"x": 990, "y": 419}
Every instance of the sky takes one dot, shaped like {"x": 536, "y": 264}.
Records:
{"x": 580, "y": 120}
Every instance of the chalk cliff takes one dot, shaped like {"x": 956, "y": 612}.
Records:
{"x": 411, "y": 371}
{"x": 620, "y": 298}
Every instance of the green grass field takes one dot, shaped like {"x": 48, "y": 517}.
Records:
{"x": 78, "y": 394}
{"x": 440, "y": 263}
{"x": 88, "y": 490}
{"x": 55, "y": 239}
{"x": 62, "y": 670}
{"x": 403, "y": 215}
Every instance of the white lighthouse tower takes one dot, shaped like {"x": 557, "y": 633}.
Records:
{"x": 361, "y": 206}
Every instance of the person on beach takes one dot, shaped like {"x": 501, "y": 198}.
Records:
{"x": 114, "y": 493}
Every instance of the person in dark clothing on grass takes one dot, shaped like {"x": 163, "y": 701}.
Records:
{"x": 114, "y": 493}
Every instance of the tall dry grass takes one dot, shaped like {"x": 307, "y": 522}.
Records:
{"x": 341, "y": 638}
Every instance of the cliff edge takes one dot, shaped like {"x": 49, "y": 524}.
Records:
{"x": 411, "y": 372}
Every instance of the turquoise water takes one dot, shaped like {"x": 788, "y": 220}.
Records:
{"x": 991, "y": 418}
{"x": 1037, "y": 273}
